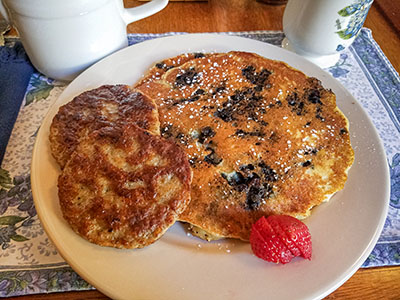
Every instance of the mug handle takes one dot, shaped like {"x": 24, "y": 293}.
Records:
{"x": 133, "y": 14}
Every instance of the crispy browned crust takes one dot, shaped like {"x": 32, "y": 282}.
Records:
{"x": 91, "y": 110}
{"x": 124, "y": 187}
{"x": 262, "y": 138}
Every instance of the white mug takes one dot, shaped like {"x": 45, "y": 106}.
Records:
{"x": 64, "y": 37}
{"x": 320, "y": 29}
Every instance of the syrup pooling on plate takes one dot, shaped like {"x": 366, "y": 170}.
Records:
{"x": 261, "y": 137}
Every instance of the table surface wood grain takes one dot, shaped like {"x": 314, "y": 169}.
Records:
{"x": 247, "y": 15}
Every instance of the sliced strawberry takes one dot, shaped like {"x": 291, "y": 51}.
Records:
{"x": 275, "y": 223}
{"x": 280, "y": 238}
{"x": 296, "y": 232}
{"x": 267, "y": 245}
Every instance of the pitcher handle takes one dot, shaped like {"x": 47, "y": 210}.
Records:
{"x": 3, "y": 12}
{"x": 133, "y": 14}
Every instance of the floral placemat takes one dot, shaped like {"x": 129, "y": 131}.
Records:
{"x": 29, "y": 263}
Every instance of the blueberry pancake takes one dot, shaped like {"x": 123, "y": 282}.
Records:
{"x": 104, "y": 106}
{"x": 262, "y": 138}
{"x": 124, "y": 187}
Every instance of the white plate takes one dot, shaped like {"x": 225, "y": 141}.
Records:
{"x": 179, "y": 266}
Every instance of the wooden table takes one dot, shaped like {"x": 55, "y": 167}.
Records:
{"x": 247, "y": 15}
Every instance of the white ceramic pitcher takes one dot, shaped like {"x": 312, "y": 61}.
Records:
{"x": 64, "y": 37}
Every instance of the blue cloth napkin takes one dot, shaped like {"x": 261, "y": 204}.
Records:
{"x": 15, "y": 73}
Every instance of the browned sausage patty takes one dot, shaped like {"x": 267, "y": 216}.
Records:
{"x": 124, "y": 187}
{"x": 106, "y": 105}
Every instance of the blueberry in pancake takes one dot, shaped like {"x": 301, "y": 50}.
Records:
{"x": 123, "y": 187}
{"x": 161, "y": 67}
{"x": 262, "y": 138}
{"x": 104, "y": 106}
